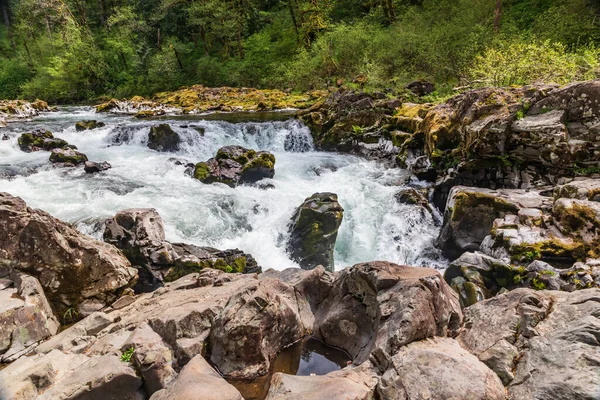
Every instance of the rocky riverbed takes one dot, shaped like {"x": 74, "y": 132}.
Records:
{"x": 496, "y": 189}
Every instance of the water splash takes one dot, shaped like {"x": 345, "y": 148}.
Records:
{"x": 375, "y": 226}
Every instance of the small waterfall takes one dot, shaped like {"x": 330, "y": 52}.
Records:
{"x": 375, "y": 226}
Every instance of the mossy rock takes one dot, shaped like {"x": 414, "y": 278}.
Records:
{"x": 88, "y": 125}
{"x": 235, "y": 263}
{"x": 40, "y": 139}
{"x": 234, "y": 165}
{"x": 67, "y": 156}
{"x": 163, "y": 138}
{"x": 314, "y": 231}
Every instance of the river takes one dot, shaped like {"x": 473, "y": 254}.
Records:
{"x": 253, "y": 219}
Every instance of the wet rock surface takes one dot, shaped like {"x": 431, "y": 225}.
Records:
{"x": 67, "y": 157}
{"x": 163, "y": 138}
{"x": 313, "y": 231}
{"x": 88, "y": 125}
{"x": 91, "y": 167}
{"x": 40, "y": 139}
{"x": 236, "y": 165}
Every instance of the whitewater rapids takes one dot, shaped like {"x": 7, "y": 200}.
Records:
{"x": 255, "y": 220}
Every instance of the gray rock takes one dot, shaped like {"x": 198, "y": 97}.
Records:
{"x": 26, "y": 318}
{"x": 93, "y": 167}
{"x": 88, "y": 125}
{"x": 67, "y": 156}
{"x": 438, "y": 369}
{"x": 84, "y": 275}
{"x": 553, "y": 335}
{"x": 198, "y": 380}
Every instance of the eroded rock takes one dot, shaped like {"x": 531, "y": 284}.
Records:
{"x": 75, "y": 270}
{"x": 163, "y": 138}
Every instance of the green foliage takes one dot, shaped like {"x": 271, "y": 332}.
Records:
{"x": 586, "y": 171}
{"x": 126, "y": 356}
{"x": 537, "y": 284}
{"x": 70, "y": 315}
{"x": 67, "y": 50}
{"x": 530, "y": 256}
{"x": 520, "y": 62}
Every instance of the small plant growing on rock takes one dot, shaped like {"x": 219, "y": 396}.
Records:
{"x": 126, "y": 356}
{"x": 520, "y": 115}
{"x": 537, "y": 284}
{"x": 357, "y": 129}
{"x": 70, "y": 315}
{"x": 531, "y": 255}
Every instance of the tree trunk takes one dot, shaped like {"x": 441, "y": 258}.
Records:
{"x": 3, "y": 4}
{"x": 102, "y": 12}
{"x": 497, "y": 14}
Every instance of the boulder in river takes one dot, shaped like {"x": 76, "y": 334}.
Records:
{"x": 92, "y": 167}
{"x": 88, "y": 125}
{"x": 67, "y": 156}
{"x": 163, "y": 138}
{"x": 314, "y": 230}
{"x": 235, "y": 165}
{"x": 77, "y": 272}
{"x": 40, "y": 139}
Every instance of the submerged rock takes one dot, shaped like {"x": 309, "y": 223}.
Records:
{"x": 88, "y": 125}
{"x": 163, "y": 138}
{"x": 92, "y": 167}
{"x": 26, "y": 318}
{"x": 67, "y": 156}
{"x": 76, "y": 271}
{"x": 235, "y": 165}
{"x": 314, "y": 230}
{"x": 140, "y": 234}
{"x": 40, "y": 139}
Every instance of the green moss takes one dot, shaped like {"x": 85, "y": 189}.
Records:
{"x": 551, "y": 248}
{"x": 576, "y": 217}
{"x": 264, "y": 160}
{"x": 537, "y": 284}
{"x": 464, "y": 202}
{"x": 201, "y": 171}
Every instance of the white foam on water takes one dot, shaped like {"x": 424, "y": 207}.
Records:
{"x": 375, "y": 226}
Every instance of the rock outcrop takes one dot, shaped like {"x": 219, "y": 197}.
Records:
{"x": 163, "y": 138}
{"x": 76, "y": 271}
{"x": 140, "y": 234}
{"x": 236, "y": 165}
{"x": 88, "y": 125}
{"x": 240, "y": 322}
{"x": 541, "y": 344}
{"x": 313, "y": 231}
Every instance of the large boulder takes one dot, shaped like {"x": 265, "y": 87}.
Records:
{"x": 235, "y": 165}
{"x": 40, "y": 139}
{"x": 198, "y": 380}
{"x": 375, "y": 308}
{"x": 67, "y": 156}
{"x": 76, "y": 271}
{"x": 438, "y": 369}
{"x": 542, "y": 344}
{"x": 255, "y": 324}
{"x": 26, "y": 317}
{"x": 163, "y": 138}
{"x": 88, "y": 125}
{"x": 313, "y": 231}
{"x": 139, "y": 233}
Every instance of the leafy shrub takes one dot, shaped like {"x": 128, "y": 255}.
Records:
{"x": 519, "y": 63}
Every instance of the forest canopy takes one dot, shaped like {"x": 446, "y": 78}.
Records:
{"x": 77, "y": 50}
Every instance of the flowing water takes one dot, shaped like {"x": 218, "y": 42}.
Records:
{"x": 253, "y": 219}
